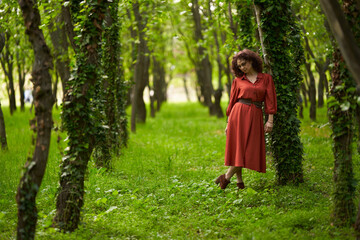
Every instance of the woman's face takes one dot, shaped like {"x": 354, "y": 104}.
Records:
{"x": 244, "y": 66}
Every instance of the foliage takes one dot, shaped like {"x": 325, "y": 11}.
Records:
{"x": 247, "y": 27}
{"x": 279, "y": 32}
{"x": 313, "y": 20}
{"x": 162, "y": 186}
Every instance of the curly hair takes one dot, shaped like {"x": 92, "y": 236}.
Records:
{"x": 246, "y": 55}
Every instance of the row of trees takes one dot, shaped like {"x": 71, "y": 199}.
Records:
{"x": 200, "y": 35}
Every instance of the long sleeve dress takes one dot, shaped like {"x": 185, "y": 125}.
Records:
{"x": 245, "y": 138}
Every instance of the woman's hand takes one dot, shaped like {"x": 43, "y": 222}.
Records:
{"x": 226, "y": 129}
{"x": 268, "y": 126}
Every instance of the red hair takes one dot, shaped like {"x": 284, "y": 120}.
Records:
{"x": 246, "y": 55}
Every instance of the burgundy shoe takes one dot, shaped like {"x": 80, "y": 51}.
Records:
{"x": 240, "y": 185}
{"x": 223, "y": 181}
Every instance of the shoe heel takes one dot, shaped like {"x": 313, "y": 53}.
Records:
{"x": 217, "y": 181}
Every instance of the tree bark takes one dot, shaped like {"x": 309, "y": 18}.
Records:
{"x": 185, "y": 87}
{"x": 263, "y": 47}
{"x": 218, "y": 93}
{"x": 68, "y": 25}
{"x": 304, "y": 93}
{"x": 344, "y": 36}
{"x": 7, "y": 65}
{"x": 59, "y": 40}
{"x": 35, "y": 167}
{"x": 2, "y": 131}
{"x": 2, "y": 40}
{"x": 160, "y": 86}
{"x": 55, "y": 88}
{"x": 21, "y": 77}
{"x": 133, "y": 34}
{"x": 141, "y": 75}
{"x": 312, "y": 92}
{"x": 323, "y": 83}
{"x": 203, "y": 66}
{"x": 2, "y": 120}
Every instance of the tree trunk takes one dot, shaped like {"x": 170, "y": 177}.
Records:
{"x": 2, "y": 120}
{"x": 301, "y": 108}
{"x": 68, "y": 25}
{"x": 218, "y": 93}
{"x": 116, "y": 117}
{"x": 141, "y": 76}
{"x": 2, "y": 40}
{"x": 345, "y": 38}
{"x": 321, "y": 87}
{"x": 304, "y": 93}
{"x": 2, "y": 131}
{"x": 77, "y": 118}
{"x": 134, "y": 50}
{"x": 326, "y": 83}
{"x": 56, "y": 88}
{"x": 312, "y": 92}
{"x": 341, "y": 122}
{"x": 160, "y": 86}
{"x": 358, "y": 126}
{"x": 203, "y": 67}
{"x": 267, "y": 63}
{"x": 59, "y": 40}
{"x": 35, "y": 167}
{"x": 152, "y": 102}
{"x": 357, "y": 224}
{"x": 7, "y": 65}
{"x": 280, "y": 41}
{"x": 21, "y": 77}
{"x": 227, "y": 69}
{"x": 323, "y": 84}
{"x": 185, "y": 87}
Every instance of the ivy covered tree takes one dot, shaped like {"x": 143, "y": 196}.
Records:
{"x": 112, "y": 92}
{"x": 35, "y": 167}
{"x": 79, "y": 112}
{"x": 342, "y": 107}
{"x": 276, "y": 29}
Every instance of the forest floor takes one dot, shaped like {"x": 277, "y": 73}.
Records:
{"x": 162, "y": 186}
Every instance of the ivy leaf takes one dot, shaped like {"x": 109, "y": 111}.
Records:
{"x": 112, "y": 208}
{"x": 345, "y": 106}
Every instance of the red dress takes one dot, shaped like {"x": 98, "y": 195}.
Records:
{"x": 245, "y": 138}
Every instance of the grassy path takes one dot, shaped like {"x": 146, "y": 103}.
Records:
{"x": 162, "y": 187}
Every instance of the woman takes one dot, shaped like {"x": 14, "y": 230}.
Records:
{"x": 245, "y": 138}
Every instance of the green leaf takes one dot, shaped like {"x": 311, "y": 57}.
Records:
{"x": 345, "y": 106}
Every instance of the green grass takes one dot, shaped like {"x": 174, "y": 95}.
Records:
{"x": 161, "y": 187}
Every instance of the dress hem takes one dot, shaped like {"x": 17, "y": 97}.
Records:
{"x": 247, "y": 168}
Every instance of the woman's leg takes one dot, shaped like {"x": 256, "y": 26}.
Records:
{"x": 231, "y": 171}
{"x": 239, "y": 175}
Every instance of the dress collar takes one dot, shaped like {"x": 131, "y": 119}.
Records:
{"x": 259, "y": 76}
